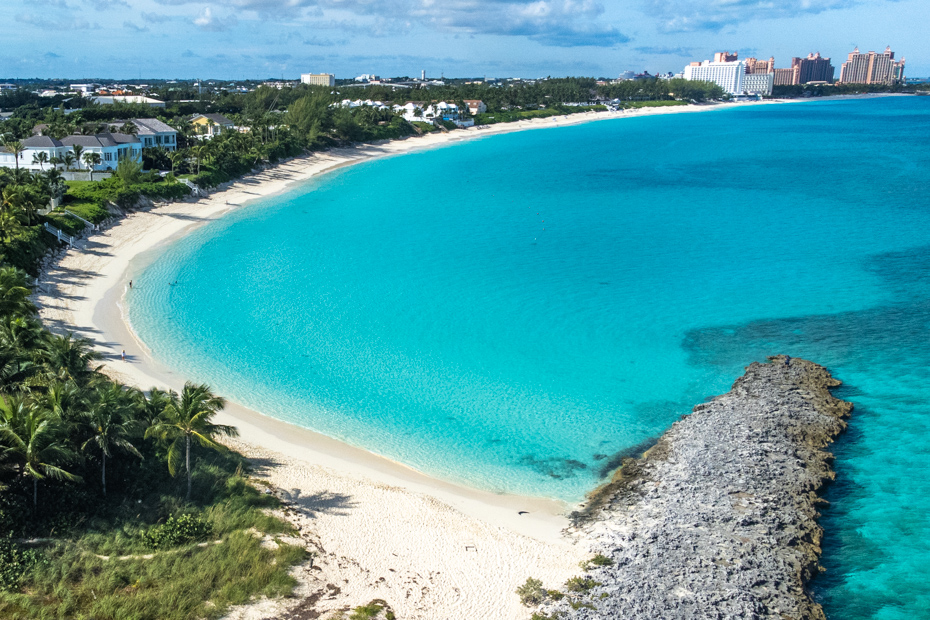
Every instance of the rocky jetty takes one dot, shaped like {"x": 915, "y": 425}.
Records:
{"x": 719, "y": 518}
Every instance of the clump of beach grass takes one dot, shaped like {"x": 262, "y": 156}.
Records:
{"x": 531, "y": 593}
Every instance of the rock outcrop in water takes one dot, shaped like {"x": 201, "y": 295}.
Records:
{"x": 719, "y": 518}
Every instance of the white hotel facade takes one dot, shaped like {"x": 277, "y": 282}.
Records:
{"x": 727, "y": 75}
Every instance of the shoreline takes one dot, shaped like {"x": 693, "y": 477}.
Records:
{"x": 391, "y": 528}
{"x": 695, "y": 529}
{"x": 89, "y": 302}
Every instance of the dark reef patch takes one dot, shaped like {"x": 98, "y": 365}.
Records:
{"x": 558, "y": 468}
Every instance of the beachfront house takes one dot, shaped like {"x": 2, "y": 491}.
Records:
{"x": 424, "y": 112}
{"x": 363, "y": 103}
{"x": 153, "y": 133}
{"x": 476, "y": 106}
{"x": 110, "y": 146}
{"x": 209, "y": 125}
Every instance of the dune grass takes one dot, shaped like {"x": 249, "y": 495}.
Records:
{"x": 229, "y": 565}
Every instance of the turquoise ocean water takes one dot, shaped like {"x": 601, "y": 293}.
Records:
{"x": 517, "y": 312}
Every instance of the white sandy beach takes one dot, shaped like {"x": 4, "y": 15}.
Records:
{"x": 431, "y": 549}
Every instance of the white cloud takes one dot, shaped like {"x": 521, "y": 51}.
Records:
{"x": 208, "y": 21}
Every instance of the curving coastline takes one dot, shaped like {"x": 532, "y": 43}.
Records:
{"x": 719, "y": 518}
{"x": 391, "y": 525}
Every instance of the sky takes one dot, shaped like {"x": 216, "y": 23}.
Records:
{"x": 261, "y": 39}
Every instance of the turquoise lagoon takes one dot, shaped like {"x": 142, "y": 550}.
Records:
{"x": 517, "y": 312}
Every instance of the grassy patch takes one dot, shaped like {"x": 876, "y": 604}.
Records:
{"x": 425, "y": 127}
{"x": 65, "y": 223}
{"x": 372, "y": 610}
{"x": 181, "y": 579}
{"x": 90, "y": 211}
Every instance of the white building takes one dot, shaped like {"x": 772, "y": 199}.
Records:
{"x": 758, "y": 84}
{"x": 84, "y": 89}
{"x": 363, "y": 103}
{"x": 423, "y": 112}
{"x": 112, "y": 147}
{"x": 476, "y": 106}
{"x": 318, "y": 79}
{"x": 727, "y": 75}
{"x": 136, "y": 99}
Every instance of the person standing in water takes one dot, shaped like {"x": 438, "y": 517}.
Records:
{"x": 130, "y": 284}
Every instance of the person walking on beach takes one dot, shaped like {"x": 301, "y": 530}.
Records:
{"x": 130, "y": 284}
{"x": 124, "y": 355}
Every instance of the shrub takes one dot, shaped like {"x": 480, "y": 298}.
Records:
{"x": 598, "y": 560}
{"x": 65, "y": 223}
{"x": 581, "y": 584}
{"x": 532, "y": 592}
{"x": 180, "y": 530}
{"x": 555, "y": 595}
{"x": 210, "y": 178}
{"x": 15, "y": 563}
{"x": 90, "y": 211}
{"x": 372, "y": 610}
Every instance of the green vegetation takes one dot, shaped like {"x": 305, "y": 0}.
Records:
{"x": 531, "y": 592}
{"x": 373, "y": 610}
{"x": 581, "y": 584}
{"x": 826, "y": 90}
{"x": 579, "y": 605}
{"x": 273, "y": 124}
{"x": 87, "y": 474}
{"x": 597, "y": 561}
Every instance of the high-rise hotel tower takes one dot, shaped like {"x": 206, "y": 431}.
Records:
{"x": 872, "y": 68}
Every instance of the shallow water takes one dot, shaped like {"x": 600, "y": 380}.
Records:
{"x": 515, "y": 312}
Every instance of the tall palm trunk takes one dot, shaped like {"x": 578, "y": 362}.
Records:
{"x": 188, "y": 467}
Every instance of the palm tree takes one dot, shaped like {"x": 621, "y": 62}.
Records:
{"x": 175, "y": 157}
{"x": 14, "y": 293}
{"x": 10, "y": 225}
{"x": 55, "y": 161}
{"x": 149, "y": 408}
{"x": 189, "y": 416}
{"x": 67, "y": 358}
{"x": 78, "y": 150}
{"x": 109, "y": 426}
{"x": 40, "y": 158}
{"x": 92, "y": 159}
{"x": 68, "y": 160}
{"x": 19, "y": 202}
{"x": 36, "y": 440}
{"x": 198, "y": 152}
{"x": 14, "y": 146}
